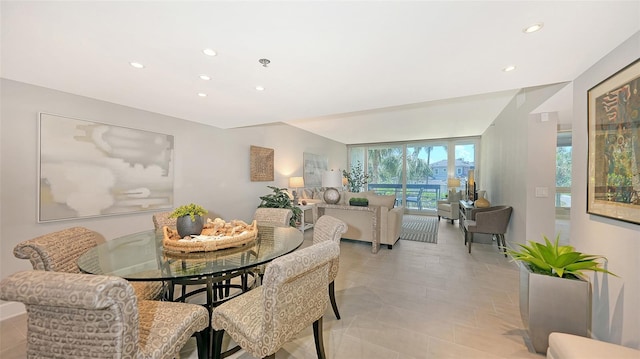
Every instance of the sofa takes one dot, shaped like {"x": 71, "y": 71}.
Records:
{"x": 360, "y": 225}
{"x": 568, "y": 346}
{"x": 450, "y": 208}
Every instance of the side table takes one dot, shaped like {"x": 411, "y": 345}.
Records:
{"x": 307, "y": 220}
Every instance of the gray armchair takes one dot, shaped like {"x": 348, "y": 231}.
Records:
{"x": 93, "y": 316}
{"x": 492, "y": 220}
{"x": 450, "y": 208}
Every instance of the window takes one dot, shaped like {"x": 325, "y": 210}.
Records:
{"x": 417, "y": 172}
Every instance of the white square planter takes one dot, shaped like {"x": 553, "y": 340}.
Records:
{"x": 551, "y": 304}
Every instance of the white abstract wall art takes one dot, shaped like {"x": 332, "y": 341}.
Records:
{"x": 89, "y": 169}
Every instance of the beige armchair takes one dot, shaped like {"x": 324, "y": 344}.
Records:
{"x": 450, "y": 208}
{"x": 493, "y": 220}
{"x": 91, "y": 316}
{"x": 293, "y": 296}
{"x": 328, "y": 228}
{"x": 59, "y": 252}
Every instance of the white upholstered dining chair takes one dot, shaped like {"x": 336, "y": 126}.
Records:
{"x": 329, "y": 228}
{"x": 59, "y": 252}
{"x": 73, "y": 316}
{"x": 292, "y": 297}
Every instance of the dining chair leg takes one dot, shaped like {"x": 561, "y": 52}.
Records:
{"x": 202, "y": 343}
{"x": 470, "y": 241}
{"x": 216, "y": 344}
{"x": 332, "y": 298}
{"x": 317, "y": 334}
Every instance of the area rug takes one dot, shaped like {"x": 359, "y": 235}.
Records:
{"x": 420, "y": 228}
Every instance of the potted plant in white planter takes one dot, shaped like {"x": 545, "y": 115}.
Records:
{"x": 554, "y": 294}
{"x": 189, "y": 219}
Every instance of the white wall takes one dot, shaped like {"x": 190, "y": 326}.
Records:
{"x": 211, "y": 164}
{"x": 616, "y": 301}
{"x": 515, "y": 158}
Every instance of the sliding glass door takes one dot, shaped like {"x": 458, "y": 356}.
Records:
{"x": 417, "y": 173}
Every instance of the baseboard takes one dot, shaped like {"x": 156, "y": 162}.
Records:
{"x": 11, "y": 309}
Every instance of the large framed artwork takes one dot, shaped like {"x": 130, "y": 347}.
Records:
{"x": 614, "y": 146}
{"x": 90, "y": 169}
{"x": 313, "y": 167}
{"x": 261, "y": 164}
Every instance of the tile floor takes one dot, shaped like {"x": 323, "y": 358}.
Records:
{"x": 418, "y": 300}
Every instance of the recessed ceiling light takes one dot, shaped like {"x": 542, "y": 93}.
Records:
{"x": 205, "y": 77}
{"x": 509, "y": 68}
{"x": 210, "y": 52}
{"x": 202, "y": 94}
{"x": 533, "y": 28}
{"x": 137, "y": 65}
{"x": 259, "y": 88}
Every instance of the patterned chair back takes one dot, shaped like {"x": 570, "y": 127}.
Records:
{"x": 162, "y": 219}
{"x": 281, "y": 216}
{"x": 58, "y": 251}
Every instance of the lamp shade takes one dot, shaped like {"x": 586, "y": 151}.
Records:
{"x": 296, "y": 182}
{"x": 471, "y": 179}
{"x": 453, "y": 182}
{"x": 331, "y": 179}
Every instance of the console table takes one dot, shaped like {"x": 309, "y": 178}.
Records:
{"x": 465, "y": 212}
{"x": 373, "y": 211}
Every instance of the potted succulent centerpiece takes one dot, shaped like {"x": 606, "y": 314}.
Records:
{"x": 554, "y": 294}
{"x": 280, "y": 199}
{"x": 189, "y": 219}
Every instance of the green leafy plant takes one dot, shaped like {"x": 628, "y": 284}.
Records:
{"x": 191, "y": 209}
{"x": 556, "y": 260}
{"x": 357, "y": 178}
{"x": 280, "y": 199}
{"x": 358, "y": 201}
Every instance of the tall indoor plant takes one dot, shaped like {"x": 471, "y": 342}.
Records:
{"x": 356, "y": 178}
{"x": 554, "y": 295}
{"x": 189, "y": 219}
{"x": 280, "y": 199}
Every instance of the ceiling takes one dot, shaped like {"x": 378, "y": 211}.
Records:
{"x": 355, "y": 72}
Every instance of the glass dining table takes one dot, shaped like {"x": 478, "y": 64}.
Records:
{"x": 221, "y": 274}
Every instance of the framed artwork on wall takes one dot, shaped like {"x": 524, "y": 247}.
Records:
{"x": 313, "y": 167}
{"x": 90, "y": 169}
{"x": 261, "y": 162}
{"x": 613, "y": 188}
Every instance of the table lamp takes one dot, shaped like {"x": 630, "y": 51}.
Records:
{"x": 453, "y": 182}
{"x": 296, "y": 183}
{"x": 331, "y": 180}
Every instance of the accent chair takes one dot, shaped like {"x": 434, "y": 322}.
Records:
{"x": 493, "y": 220}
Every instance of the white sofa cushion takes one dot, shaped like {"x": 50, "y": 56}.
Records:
{"x": 568, "y": 346}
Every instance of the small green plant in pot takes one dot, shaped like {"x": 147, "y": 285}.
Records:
{"x": 280, "y": 199}
{"x": 189, "y": 219}
{"x": 359, "y": 201}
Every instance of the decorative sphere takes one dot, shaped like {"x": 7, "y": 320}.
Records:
{"x": 331, "y": 196}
